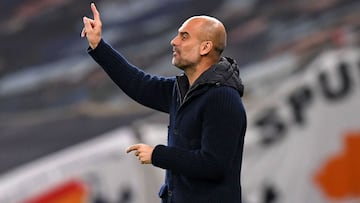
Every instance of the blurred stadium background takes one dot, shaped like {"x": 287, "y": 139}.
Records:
{"x": 56, "y": 102}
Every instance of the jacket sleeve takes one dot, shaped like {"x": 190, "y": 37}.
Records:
{"x": 224, "y": 126}
{"x": 151, "y": 91}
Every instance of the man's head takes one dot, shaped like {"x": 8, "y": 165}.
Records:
{"x": 200, "y": 39}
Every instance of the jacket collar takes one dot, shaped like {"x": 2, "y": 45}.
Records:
{"x": 225, "y": 72}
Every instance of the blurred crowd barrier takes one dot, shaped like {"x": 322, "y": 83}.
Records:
{"x": 95, "y": 171}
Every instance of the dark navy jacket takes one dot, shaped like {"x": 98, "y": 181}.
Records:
{"x": 206, "y": 128}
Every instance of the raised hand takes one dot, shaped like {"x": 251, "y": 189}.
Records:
{"x": 92, "y": 28}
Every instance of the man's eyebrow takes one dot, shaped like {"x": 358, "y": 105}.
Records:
{"x": 183, "y": 33}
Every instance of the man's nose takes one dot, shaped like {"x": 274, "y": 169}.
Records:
{"x": 173, "y": 41}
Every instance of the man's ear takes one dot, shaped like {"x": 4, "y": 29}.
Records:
{"x": 205, "y": 47}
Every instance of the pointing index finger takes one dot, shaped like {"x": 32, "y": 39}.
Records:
{"x": 132, "y": 148}
{"x": 95, "y": 12}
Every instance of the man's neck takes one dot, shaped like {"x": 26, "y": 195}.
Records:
{"x": 194, "y": 73}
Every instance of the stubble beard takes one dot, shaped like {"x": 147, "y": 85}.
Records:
{"x": 182, "y": 64}
{"x": 177, "y": 63}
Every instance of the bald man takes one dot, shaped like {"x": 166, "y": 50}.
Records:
{"x": 207, "y": 119}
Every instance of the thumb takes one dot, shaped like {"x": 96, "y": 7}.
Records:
{"x": 87, "y": 24}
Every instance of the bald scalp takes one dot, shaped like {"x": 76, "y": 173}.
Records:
{"x": 213, "y": 30}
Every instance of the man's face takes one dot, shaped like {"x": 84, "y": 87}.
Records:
{"x": 186, "y": 46}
